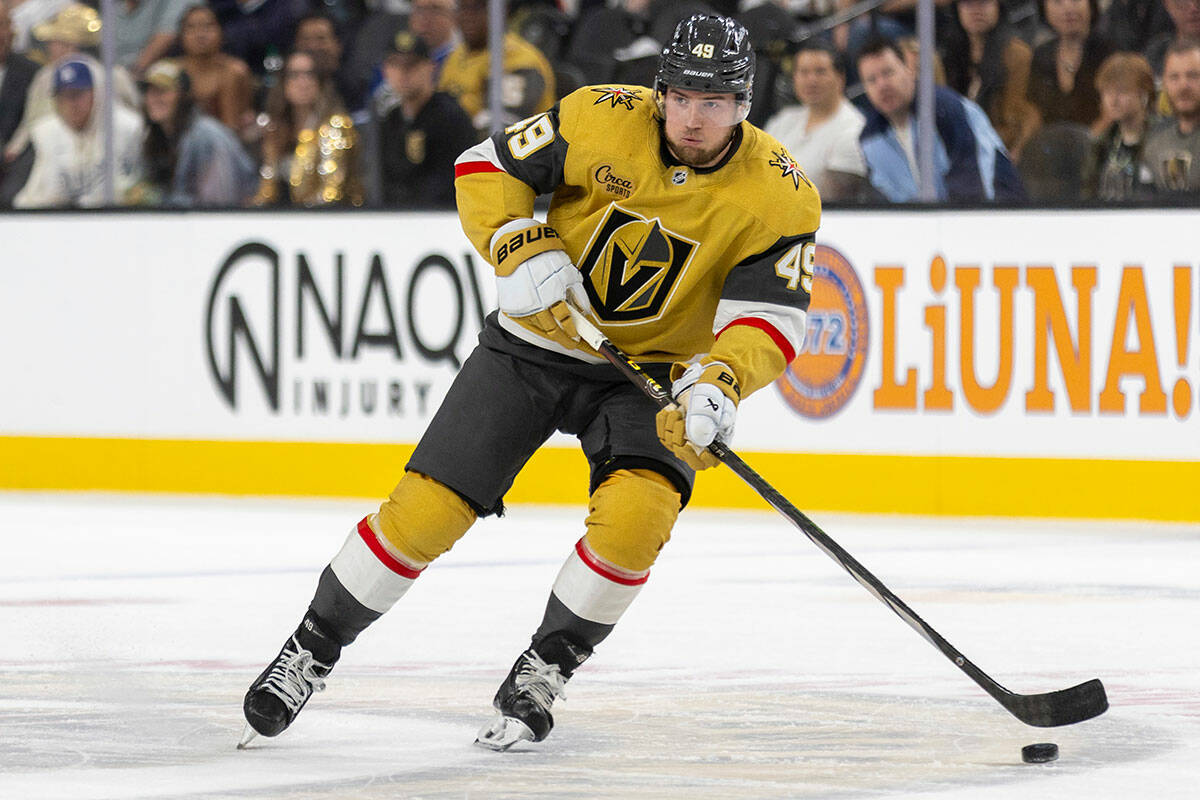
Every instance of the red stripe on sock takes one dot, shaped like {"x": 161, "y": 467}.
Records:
{"x": 386, "y": 558}
{"x": 603, "y": 570}
{"x": 471, "y": 167}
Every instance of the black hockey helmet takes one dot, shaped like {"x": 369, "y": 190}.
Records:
{"x": 708, "y": 53}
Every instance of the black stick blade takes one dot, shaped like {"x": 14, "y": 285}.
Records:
{"x": 1064, "y": 707}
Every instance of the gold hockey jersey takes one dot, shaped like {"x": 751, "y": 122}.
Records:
{"x": 672, "y": 256}
{"x": 527, "y": 85}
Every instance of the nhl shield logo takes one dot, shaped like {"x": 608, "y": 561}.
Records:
{"x": 679, "y": 176}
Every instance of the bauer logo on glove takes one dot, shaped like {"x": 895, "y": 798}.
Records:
{"x": 534, "y": 276}
{"x": 539, "y": 237}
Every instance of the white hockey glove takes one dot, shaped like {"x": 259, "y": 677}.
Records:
{"x": 534, "y": 275}
{"x": 706, "y": 397}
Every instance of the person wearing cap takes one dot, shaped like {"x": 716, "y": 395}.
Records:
{"x": 69, "y": 35}
{"x": 423, "y": 132}
{"x": 191, "y": 159}
{"x": 69, "y": 146}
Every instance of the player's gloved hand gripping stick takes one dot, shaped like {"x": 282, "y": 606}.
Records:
{"x": 704, "y": 407}
{"x": 1048, "y": 710}
{"x": 534, "y": 278}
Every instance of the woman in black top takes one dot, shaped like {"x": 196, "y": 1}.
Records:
{"x": 987, "y": 62}
{"x": 1062, "y": 83}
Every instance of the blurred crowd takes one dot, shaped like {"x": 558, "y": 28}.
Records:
{"x": 309, "y": 103}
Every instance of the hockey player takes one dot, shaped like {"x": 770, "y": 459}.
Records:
{"x": 687, "y": 235}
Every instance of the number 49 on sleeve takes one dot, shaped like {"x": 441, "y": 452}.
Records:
{"x": 797, "y": 266}
{"x": 530, "y": 135}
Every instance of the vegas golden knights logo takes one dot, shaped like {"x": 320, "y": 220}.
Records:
{"x": 631, "y": 266}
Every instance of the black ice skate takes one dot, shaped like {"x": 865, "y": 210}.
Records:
{"x": 524, "y": 699}
{"x": 278, "y": 694}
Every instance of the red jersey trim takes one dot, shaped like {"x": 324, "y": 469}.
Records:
{"x": 471, "y": 167}
{"x": 770, "y": 330}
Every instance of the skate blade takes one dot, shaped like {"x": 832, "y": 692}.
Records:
{"x": 248, "y": 735}
{"x": 502, "y": 733}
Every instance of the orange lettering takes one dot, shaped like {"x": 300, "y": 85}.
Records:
{"x": 938, "y": 396}
{"x": 985, "y": 400}
{"x": 893, "y": 394}
{"x": 1142, "y": 362}
{"x": 1050, "y": 319}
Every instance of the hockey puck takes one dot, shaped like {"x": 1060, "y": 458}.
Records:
{"x": 1039, "y": 753}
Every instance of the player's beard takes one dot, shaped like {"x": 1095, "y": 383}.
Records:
{"x": 695, "y": 156}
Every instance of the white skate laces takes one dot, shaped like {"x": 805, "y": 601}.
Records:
{"x": 541, "y": 681}
{"x": 294, "y": 678}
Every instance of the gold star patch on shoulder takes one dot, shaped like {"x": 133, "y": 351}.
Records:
{"x": 789, "y": 166}
{"x": 617, "y": 95}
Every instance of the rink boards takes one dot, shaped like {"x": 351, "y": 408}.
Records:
{"x": 957, "y": 362}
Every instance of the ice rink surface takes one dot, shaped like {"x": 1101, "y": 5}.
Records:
{"x": 751, "y": 666}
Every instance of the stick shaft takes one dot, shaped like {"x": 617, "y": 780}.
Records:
{"x": 1044, "y": 710}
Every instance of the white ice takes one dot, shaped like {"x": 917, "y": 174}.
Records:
{"x": 751, "y": 666}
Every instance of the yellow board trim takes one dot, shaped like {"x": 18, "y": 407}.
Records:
{"x": 951, "y": 485}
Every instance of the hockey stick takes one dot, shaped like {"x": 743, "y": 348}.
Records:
{"x": 1048, "y": 710}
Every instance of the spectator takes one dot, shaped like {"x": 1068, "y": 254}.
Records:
{"x": 1131, "y": 25}
{"x": 423, "y": 133}
{"x": 987, "y": 62}
{"x": 911, "y": 47}
{"x": 822, "y": 132}
{"x": 190, "y": 158}
{"x": 527, "y": 85}
{"x": 368, "y": 46}
{"x": 259, "y": 31}
{"x": 308, "y": 149}
{"x": 68, "y": 146}
{"x": 969, "y": 158}
{"x": 1062, "y": 81}
{"x": 146, "y": 30}
{"x": 770, "y": 26}
{"x": 1113, "y": 170}
{"x": 27, "y": 15}
{"x": 544, "y": 25}
{"x": 1172, "y": 151}
{"x": 220, "y": 83}
{"x": 16, "y": 74}
{"x": 76, "y": 27}
{"x": 613, "y": 44}
{"x": 894, "y": 19}
{"x": 1185, "y": 15}
{"x": 316, "y": 35}
{"x": 436, "y": 22}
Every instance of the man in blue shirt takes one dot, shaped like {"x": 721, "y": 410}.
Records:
{"x": 971, "y": 164}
